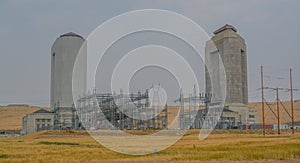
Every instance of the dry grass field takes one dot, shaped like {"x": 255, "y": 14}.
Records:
{"x": 78, "y": 146}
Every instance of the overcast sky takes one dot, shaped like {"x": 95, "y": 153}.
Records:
{"x": 28, "y": 29}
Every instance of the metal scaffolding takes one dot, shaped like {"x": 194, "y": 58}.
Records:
{"x": 191, "y": 115}
{"x": 120, "y": 111}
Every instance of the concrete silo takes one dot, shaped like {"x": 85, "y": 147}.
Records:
{"x": 63, "y": 56}
{"x": 232, "y": 49}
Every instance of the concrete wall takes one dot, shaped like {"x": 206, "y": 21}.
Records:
{"x": 34, "y": 121}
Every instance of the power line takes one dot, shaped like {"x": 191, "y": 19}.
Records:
{"x": 278, "y": 101}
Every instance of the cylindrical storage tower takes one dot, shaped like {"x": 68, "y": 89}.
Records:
{"x": 63, "y": 56}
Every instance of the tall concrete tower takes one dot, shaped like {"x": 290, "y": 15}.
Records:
{"x": 232, "y": 49}
{"x": 63, "y": 56}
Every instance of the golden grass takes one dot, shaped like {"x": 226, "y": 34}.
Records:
{"x": 11, "y": 116}
{"x": 62, "y": 146}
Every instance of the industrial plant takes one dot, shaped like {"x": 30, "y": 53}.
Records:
{"x": 132, "y": 111}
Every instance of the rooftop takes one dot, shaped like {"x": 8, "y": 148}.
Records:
{"x": 42, "y": 111}
{"x": 71, "y": 34}
{"x": 225, "y": 27}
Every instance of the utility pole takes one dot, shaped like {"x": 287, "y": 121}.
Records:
{"x": 278, "y": 112}
{"x": 292, "y": 101}
{"x": 262, "y": 99}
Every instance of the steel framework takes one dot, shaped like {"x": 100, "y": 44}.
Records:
{"x": 120, "y": 111}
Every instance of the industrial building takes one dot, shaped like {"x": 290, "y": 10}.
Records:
{"x": 63, "y": 113}
{"x": 39, "y": 120}
{"x": 231, "y": 47}
{"x": 63, "y": 56}
{"x": 129, "y": 111}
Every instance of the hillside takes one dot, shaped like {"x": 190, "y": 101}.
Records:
{"x": 269, "y": 117}
{"x": 284, "y": 117}
{"x": 11, "y": 116}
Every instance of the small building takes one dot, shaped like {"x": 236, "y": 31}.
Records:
{"x": 287, "y": 126}
{"x": 39, "y": 120}
{"x": 253, "y": 116}
{"x": 282, "y": 126}
{"x": 296, "y": 125}
{"x": 228, "y": 119}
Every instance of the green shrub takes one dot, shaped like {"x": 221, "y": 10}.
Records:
{"x": 3, "y": 155}
{"x": 57, "y": 143}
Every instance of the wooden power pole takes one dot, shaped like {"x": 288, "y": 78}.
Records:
{"x": 278, "y": 112}
{"x": 262, "y": 100}
{"x": 292, "y": 101}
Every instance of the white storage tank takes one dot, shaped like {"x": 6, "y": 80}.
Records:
{"x": 63, "y": 55}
